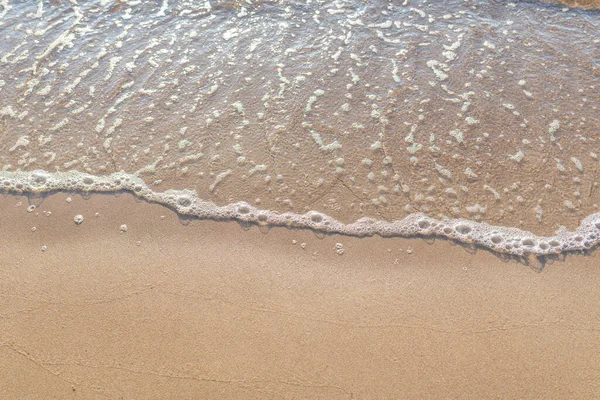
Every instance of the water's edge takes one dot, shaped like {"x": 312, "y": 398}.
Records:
{"x": 500, "y": 239}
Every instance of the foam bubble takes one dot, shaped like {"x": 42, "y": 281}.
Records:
{"x": 243, "y": 209}
{"x": 184, "y": 201}
{"x": 38, "y": 178}
{"x": 497, "y": 238}
{"x": 462, "y": 228}
{"x": 316, "y": 218}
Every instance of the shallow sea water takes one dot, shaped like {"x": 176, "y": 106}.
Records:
{"x": 481, "y": 110}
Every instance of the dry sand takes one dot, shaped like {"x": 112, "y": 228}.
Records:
{"x": 211, "y": 311}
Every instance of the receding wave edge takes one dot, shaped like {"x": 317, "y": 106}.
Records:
{"x": 500, "y": 239}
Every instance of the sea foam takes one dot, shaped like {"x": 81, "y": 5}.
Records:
{"x": 506, "y": 240}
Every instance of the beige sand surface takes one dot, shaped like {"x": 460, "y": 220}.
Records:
{"x": 585, "y": 4}
{"x": 211, "y": 311}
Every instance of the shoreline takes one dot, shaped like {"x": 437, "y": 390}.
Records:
{"x": 511, "y": 241}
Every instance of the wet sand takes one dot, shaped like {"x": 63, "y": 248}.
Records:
{"x": 585, "y": 4}
{"x": 212, "y": 311}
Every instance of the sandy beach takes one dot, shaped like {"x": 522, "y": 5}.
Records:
{"x": 210, "y": 310}
{"x": 450, "y": 149}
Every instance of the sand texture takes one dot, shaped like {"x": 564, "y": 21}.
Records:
{"x": 211, "y": 311}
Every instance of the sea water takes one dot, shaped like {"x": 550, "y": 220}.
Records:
{"x": 472, "y": 120}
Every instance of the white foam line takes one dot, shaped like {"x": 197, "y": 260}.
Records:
{"x": 500, "y": 239}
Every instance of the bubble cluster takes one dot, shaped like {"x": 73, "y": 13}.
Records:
{"x": 506, "y": 240}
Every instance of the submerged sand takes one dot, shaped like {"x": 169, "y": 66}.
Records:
{"x": 209, "y": 310}
{"x": 484, "y": 110}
